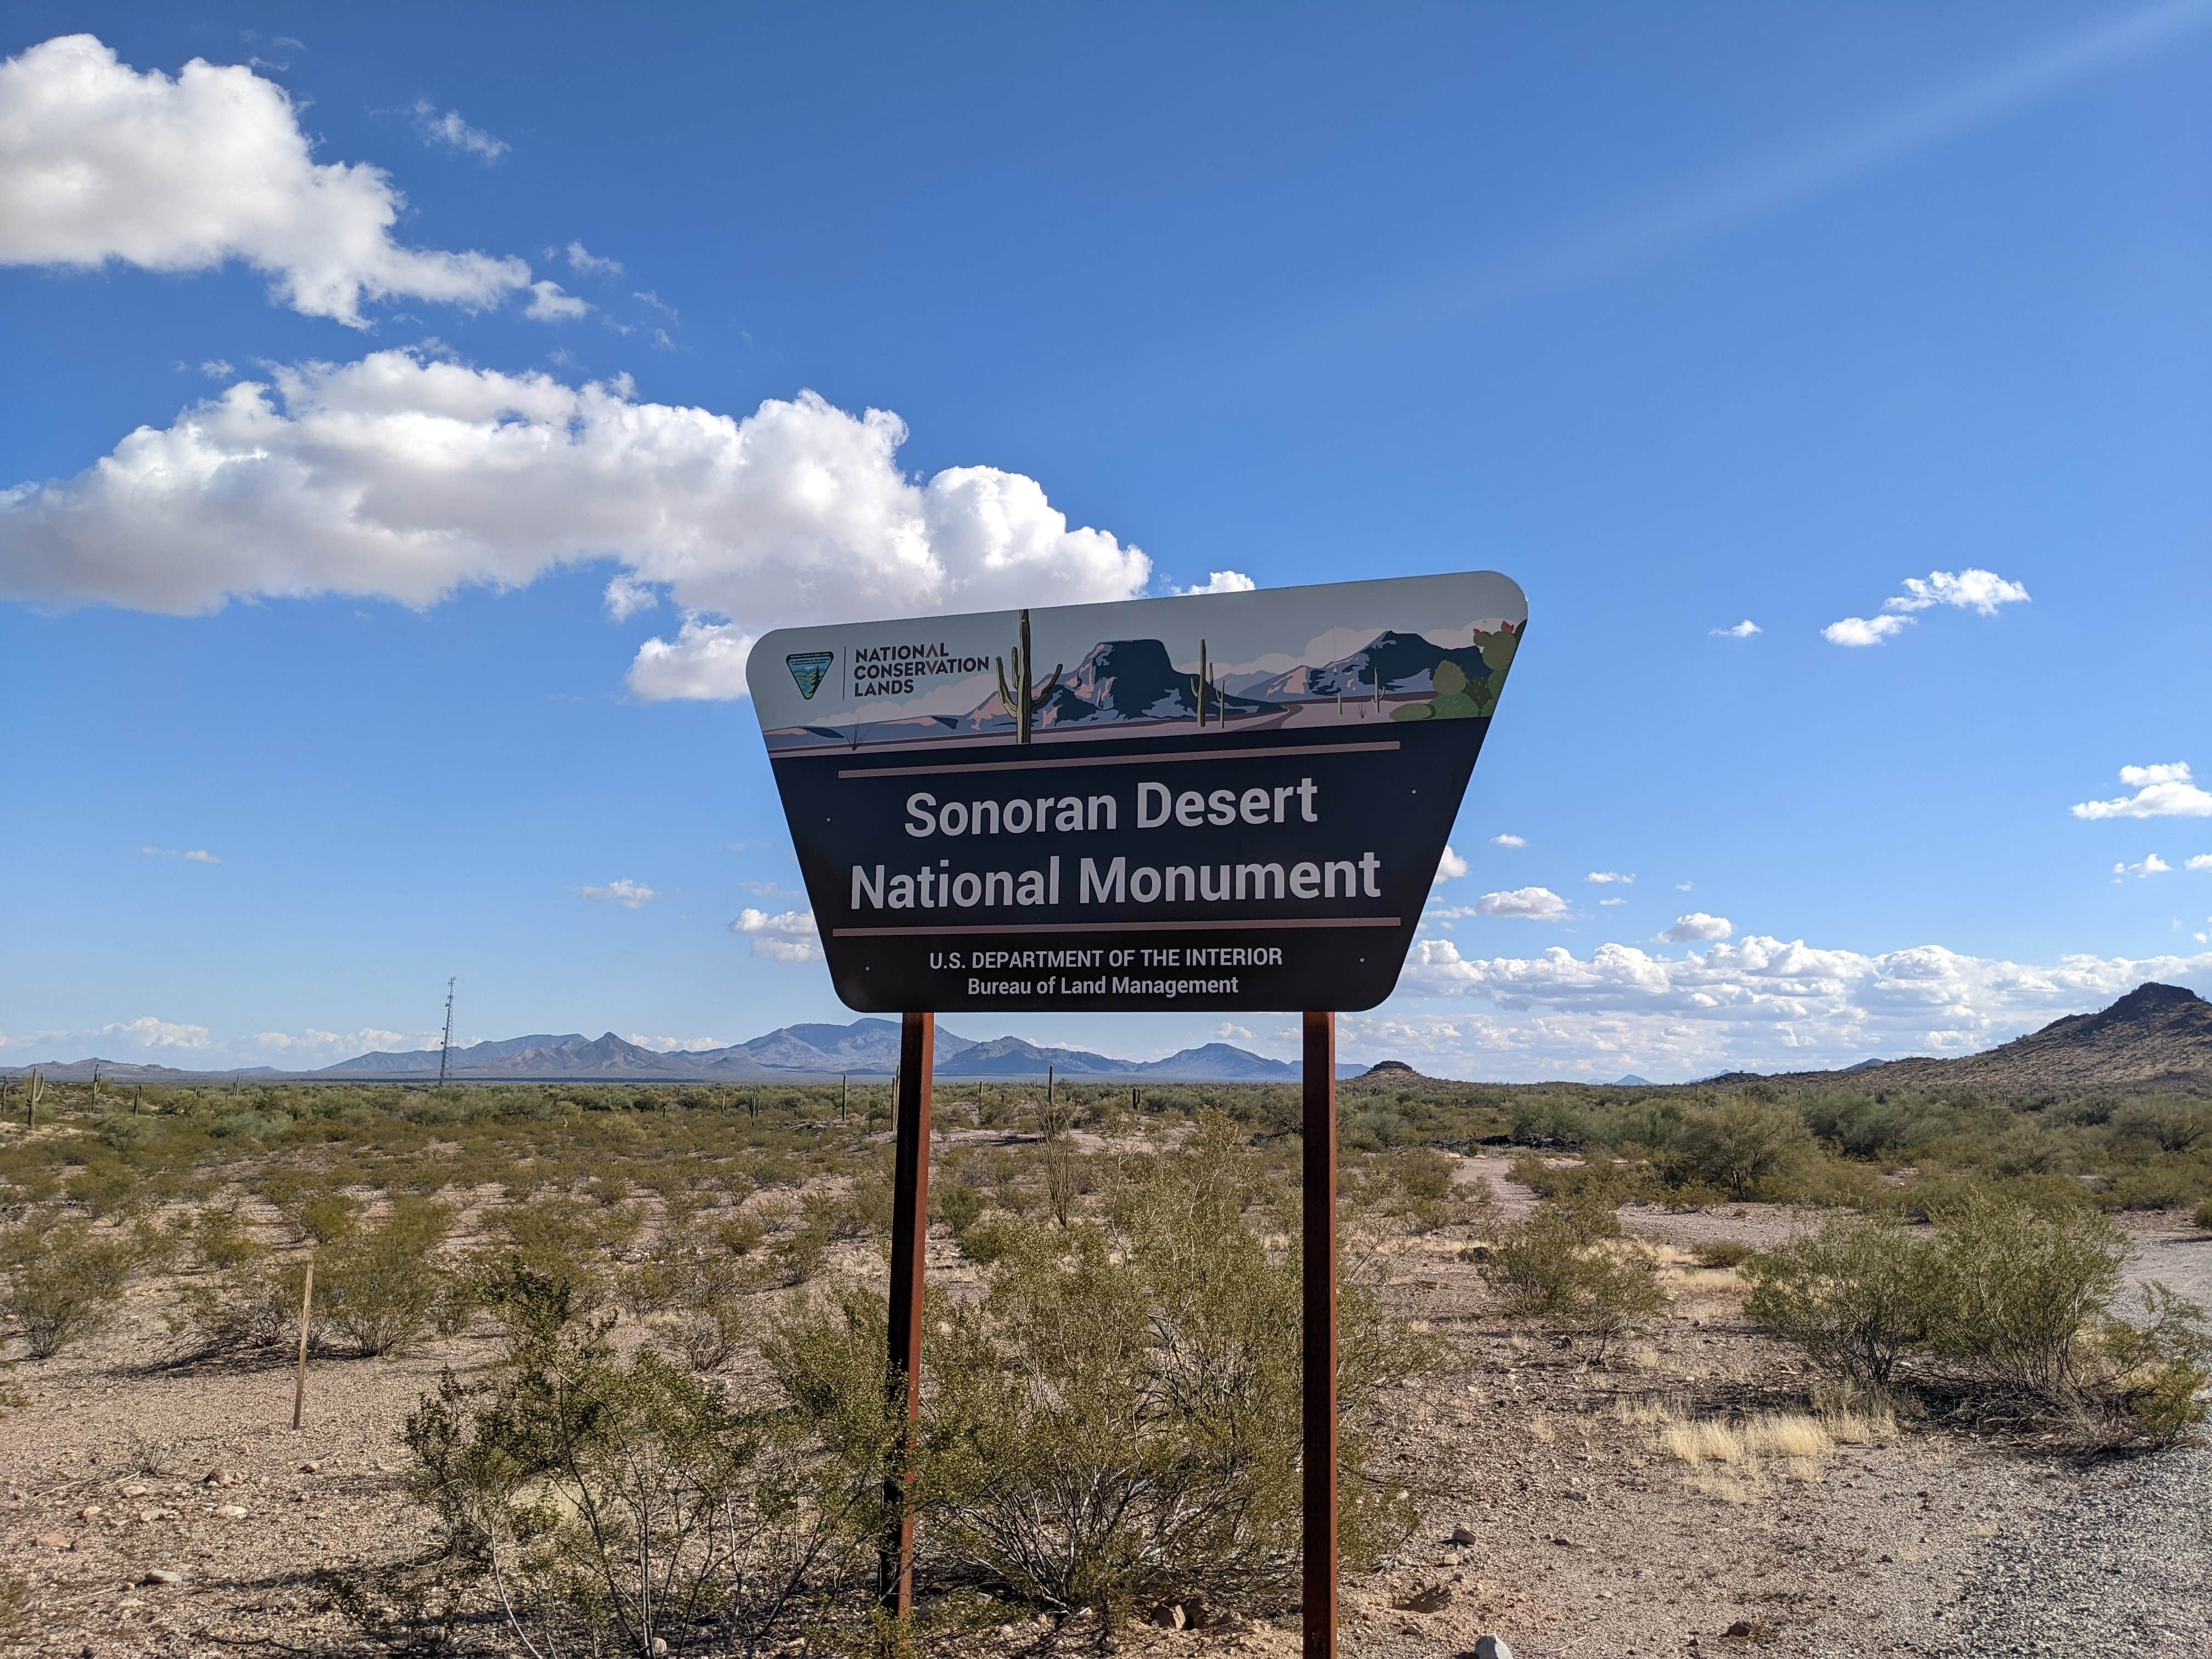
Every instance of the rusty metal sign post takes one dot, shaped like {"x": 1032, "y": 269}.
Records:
{"x": 1215, "y": 802}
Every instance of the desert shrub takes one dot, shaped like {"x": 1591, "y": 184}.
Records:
{"x": 799, "y": 1257}
{"x": 220, "y": 1240}
{"x": 65, "y": 1282}
{"x": 626, "y": 1504}
{"x": 1115, "y": 1424}
{"x": 2021, "y": 1292}
{"x": 382, "y": 1287}
{"x": 2202, "y": 1220}
{"x": 322, "y": 1216}
{"x": 2170, "y": 1125}
{"x": 988, "y": 1241}
{"x": 2010, "y": 1308}
{"x": 1561, "y": 1267}
{"x": 1746, "y": 1147}
{"x": 740, "y": 1234}
{"x": 1857, "y": 1296}
{"x": 958, "y": 1204}
{"x": 249, "y": 1313}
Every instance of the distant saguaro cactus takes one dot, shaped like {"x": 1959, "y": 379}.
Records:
{"x": 1023, "y": 707}
{"x": 1200, "y": 684}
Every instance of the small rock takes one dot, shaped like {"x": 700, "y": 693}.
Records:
{"x": 1492, "y": 1647}
{"x": 659, "y": 1648}
{"x": 1463, "y": 1535}
{"x": 88, "y": 1512}
{"x": 217, "y": 1477}
{"x": 162, "y": 1576}
{"x": 1578, "y": 1497}
{"x": 1168, "y": 1618}
{"x": 51, "y": 1540}
{"x": 311, "y": 1468}
{"x": 134, "y": 1491}
{"x": 231, "y": 1511}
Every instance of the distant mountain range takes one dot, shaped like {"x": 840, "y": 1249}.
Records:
{"x": 866, "y": 1048}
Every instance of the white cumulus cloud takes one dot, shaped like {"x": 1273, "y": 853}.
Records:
{"x": 1608, "y": 877}
{"x": 550, "y": 303}
{"x": 630, "y": 895}
{"x": 1451, "y": 867}
{"x": 788, "y": 936}
{"x": 1696, "y": 926}
{"x": 100, "y": 162}
{"x": 1509, "y": 841}
{"x": 1755, "y": 1003}
{"x": 2201, "y": 861}
{"x": 2152, "y": 865}
{"x": 1222, "y": 581}
{"x": 1972, "y": 589}
{"x": 1531, "y": 903}
{"x": 1743, "y": 630}
{"x": 2161, "y": 791}
{"x": 148, "y": 1032}
{"x": 404, "y": 477}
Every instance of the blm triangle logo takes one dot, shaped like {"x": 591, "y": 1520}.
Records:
{"x": 807, "y": 668}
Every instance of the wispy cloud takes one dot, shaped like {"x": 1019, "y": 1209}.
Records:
{"x": 190, "y": 855}
{"x": 1704, "y": 206}
{"x": 630, "y": 895}
{"x": 449, "y": 130}
{"x": 1743, "y": 630}
{"x": 586, "y": 263}
{"x": 1610, "y": 878}
{"x": 2150, "y": 865}
{"x": 1509, "y": 841}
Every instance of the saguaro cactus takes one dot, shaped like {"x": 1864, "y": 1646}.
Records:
{"x": 1024, "y": 706}
{"x": 1201, "y": 683}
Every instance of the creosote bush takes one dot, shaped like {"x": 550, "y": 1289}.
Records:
{"x": 381, "y": 1289}
{"x": 1567, "y": 1266}
{"x": 2015, "y": 1308}
{"x": 64, "y": 1282}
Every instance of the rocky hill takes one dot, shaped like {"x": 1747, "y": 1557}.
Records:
{"x": 2157, "y": 1039}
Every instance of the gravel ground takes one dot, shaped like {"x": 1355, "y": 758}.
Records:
{"x": 2123, "y": 1566}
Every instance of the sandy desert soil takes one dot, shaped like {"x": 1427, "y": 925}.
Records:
{"x": 1576, "y": 1534}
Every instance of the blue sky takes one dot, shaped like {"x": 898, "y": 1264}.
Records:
{"x": 1680, "y": 317}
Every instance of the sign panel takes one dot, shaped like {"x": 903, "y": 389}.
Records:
{"x": 1226, "y": 801}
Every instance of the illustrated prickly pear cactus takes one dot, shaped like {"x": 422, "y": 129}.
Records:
{"x": 1024, "y": 706}
{"x": 1459, "y": 698}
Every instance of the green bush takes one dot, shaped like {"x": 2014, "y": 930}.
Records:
{"x": 2202, "y": 1220}
{"x": 2011, "y": 1305}
{"x": 381, "y": 1288}
{"x": 1722, "y": 1253}
{"x": 1746, "y": 1147}
{"x": 1562, "y": 1268}
{"x": 958, "y": 1204}
{"x": 1858, "y": 1295}
{"x": 221, "y": 1241}
{"x": 626, "y": 1504}
{"x": 65, "y": 1282}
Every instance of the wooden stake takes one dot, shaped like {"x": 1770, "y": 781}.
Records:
{"x": 1320, "y": 1357}
{"x": 909, "y": 1249}
{"x": 300, "y": 1388}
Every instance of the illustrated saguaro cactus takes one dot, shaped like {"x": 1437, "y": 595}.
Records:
{"x": 1200, "y": 684}
{"x": 1024, "y": 706}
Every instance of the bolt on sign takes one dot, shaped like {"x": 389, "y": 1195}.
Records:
{"x": 1230, "y": 801}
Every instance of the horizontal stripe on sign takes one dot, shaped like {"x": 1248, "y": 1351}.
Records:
{"x": 1117, "y": 760}
{"x": 1116, "y": 926}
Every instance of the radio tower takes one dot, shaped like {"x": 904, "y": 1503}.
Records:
{"x": 446, "y": 1048}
